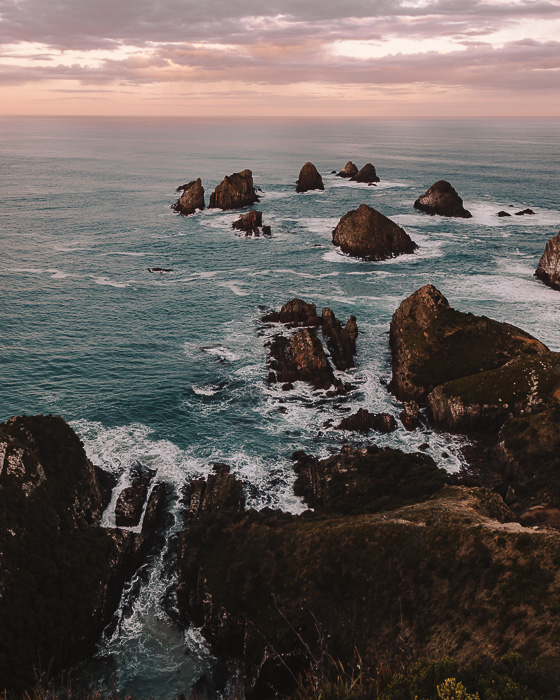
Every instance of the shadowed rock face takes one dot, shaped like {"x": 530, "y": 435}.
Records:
{"x": 410, "y": 415}
{"x": 548, "y": 270}
{"x": 363, "y": 421}
{"x": 366, "y": 175}
{"x": 234, "y": 192}
{"x": 131, "y": 500}
{"x": 294, "y": 313}
{"x": 442, "y": 199}
{"x": 192, "y": 198}
{"x": 366, "y": 233}
{"x": 309, "y": 179}
{"x": 251, "y": 224}
{"x": 431, "y": 344}
{"x": 341, "y": 341}
{"x": 349, "y": 170}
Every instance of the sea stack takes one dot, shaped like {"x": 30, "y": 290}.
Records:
{"x": 234, "y": 192}
{"x": 251, "y": 224}
{"x": 309, "y": 179}
{"x": 548, "y": 270}
{"x": 366, "y": 233}
{"x": 349, "y": 170}
{"x": 366, "y": 175}
{"x": 442, "y": 199}
{"x": 192, "y": 198}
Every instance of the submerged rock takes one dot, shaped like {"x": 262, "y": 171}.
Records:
{"x": 503, "y": 213}
{"x": 234, "y": 192}
{"x": 159, "y": 269}
{"x": 309, "y": 179}
{"x": 548, "y": 270}
{"x": 366, "y": 233}
{"x": 251, "y": 224}
{"x": 364, "y": 421}
{"x": 349, "y": 170}
{"x": 442, "y": 199}
{"x": 366, "y": 175}
{"x": 192, "y": 198}
{"x": 524, "y": 212}
{"x": 432, "y": 343}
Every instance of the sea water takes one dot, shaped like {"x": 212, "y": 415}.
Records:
{"x": 169, "y": 370}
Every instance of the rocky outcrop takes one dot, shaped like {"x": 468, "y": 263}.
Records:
{"x": 432, "y": 343}
{"x": 251, "y": 224}
{"x": 349, "y": 170}
{"x": 442, "y": 199}
{"x": 524, "y": 212}
{"x": 503, "y": 213}
{"x": 366, "y": 175}
{"x": 309, "y": 179}
{"x": 61, "y": 575}
{"x": 234, "y": 192}
{"x": 191, "y": 200}
{"x": 363, "y": 421}
{"x": 548, "y": 270}
{"x": 341, "y": 341}
{"x": 410, "y": 415}
{"x": 131, "y": 500}
{"x": 366, "y": 233}
{"x": 294, "y": 313}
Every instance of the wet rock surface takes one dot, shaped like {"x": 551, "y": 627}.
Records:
{"x": 234, "y": 192}
{"x": 363, "y": 421}
{"x": 309, "y": 179}
{"x": 349, "y": 170}
{"x": 251, "y": 224}
{"x": 191, "y": 200}
{"x": 548, "y": 270}
{"x": 366, "y": 233}
{"x": 442, "y": 199}
{"x": 131, "y": 500}
{"x": 366, "y": 175}
{"x": 294, "y": 313}
{"x": 410, "y": 415}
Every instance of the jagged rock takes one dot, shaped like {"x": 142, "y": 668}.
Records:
{"x": 251, "y": 224}
{"x": 367, "y": 175}
{"x": 234, "y": 192}
{"x": 503, "y": 213}
{"x": 62, "y": 575}
{"x": 192, "y": 198}
{"x": 363, "y": 421}
{"x": 220, "y": 491}
{"x": 309, "y": 179}
{"x": 349, "y": 170}
{"x": 442, "y": 199}
{"x": 366, "y": 233}
{"x": 524, "y": 212}
{"x": 410, "y": 415}
{"x": 548, "y": 270}
{"x": 131, "y": 500}
{"x": 294, "y": 313}
{"x": 159, "y": 269}
{"x": 340, "y": 341}
{"x": 431, "y": 344}
{"x": 482, "y": 402}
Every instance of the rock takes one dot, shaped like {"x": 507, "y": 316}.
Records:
{"x": 220, "y": 491}
{"x": 481, "y": 403}
{"x": 524, "y": 212}
{"x": 349, "y": 170}
{"x": 363, "y": 421}
{"x": 192, "y": 198}
{"x": 295, "y": 313}
{"x": 159, "y": 269}
{"x": 340, "y": 341}
{"x": 410, "y": 415}
{"x": 365, "y": 233}
{"x": 548, "y": 270}
{"x": 442, "y": 199}
{"x": 367, "y": 175}
{"x": 251, "y": 224}
{"x": 309, "y": 179}
{"x": 234, "y": 192}
{"x": 131, "y": 500}
{"x": 62, "y": 575}
{"x": 431, "y": 344}
{"x": 503, "y": 213}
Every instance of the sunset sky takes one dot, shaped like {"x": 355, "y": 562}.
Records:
{"x": 285, "y": 57}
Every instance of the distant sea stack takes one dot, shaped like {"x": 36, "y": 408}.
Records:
{"x": 251, "y": 223}
{"x": 366, "y": 175}
{"x": 366, "y": 233}
{"x": 442, "y": 199}
{"x": 309, "y": 179}
{"x": 349, "y": 170}
{"x": 548, "y": 270}
{"x": 192, "y": 198}
{"x": 234, "y": 192}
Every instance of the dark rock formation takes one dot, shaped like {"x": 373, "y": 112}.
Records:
{"x": 431, "y": 344}
{"x": 309, "y": 179}
{"x": 61, "y": 575}
{"x": 366, "y": 175}
{"x": 442, "y": 199}
{"x": 548, "y": 270}
{"x": 341, "y": 341}
{"x": 363, "y": 421}
{"x": 365, "y": 233}
{"x": 219, "y": 492}
{"x": 294, "y": 313}
{"x": 349, "y": 170}
{"x": 131, "y": 500}
{"x": 503, "y": 213}
{"x": 524, "y": 212}
{"x": 192, "y": 198}
{"x": 251, "y": 224}
{"x": 159, "y": 269}
{"x": 234, "y": 192}
{"x": 410, "y": 415}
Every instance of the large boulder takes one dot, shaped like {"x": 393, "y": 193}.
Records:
{"x": 432, "y": 343}
{"x": 294, "y": 313}
{"x": 191, "y": 200}
{"x": 234, "y": 192}
{"x": 366, "y": 175}
{"x": 349, "y": 170}
{"x": 309, "y": 179}
{"x": 442, "y": 199}
{"x": 251, "y": 224}
{"x": 548, "y": 269}
{"x": 366, "y": 233}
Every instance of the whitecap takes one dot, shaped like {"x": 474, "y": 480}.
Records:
{"x": 109, "y": 283}
{"x": 220, "y": 351}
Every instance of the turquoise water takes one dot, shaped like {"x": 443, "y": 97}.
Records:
{"x": 170, "y": 369}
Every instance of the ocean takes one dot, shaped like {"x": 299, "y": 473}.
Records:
{"x": 169, "y": 370}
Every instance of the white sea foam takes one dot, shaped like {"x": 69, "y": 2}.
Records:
{"x": 320, "y": 225}
{"x": 127, "y": 253}
{"x": 221, "y": 351}
{"x": 109, "y": 283}
{"x": 234, "y": 286}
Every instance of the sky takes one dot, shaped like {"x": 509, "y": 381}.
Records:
{"x": 306, "y": 58}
